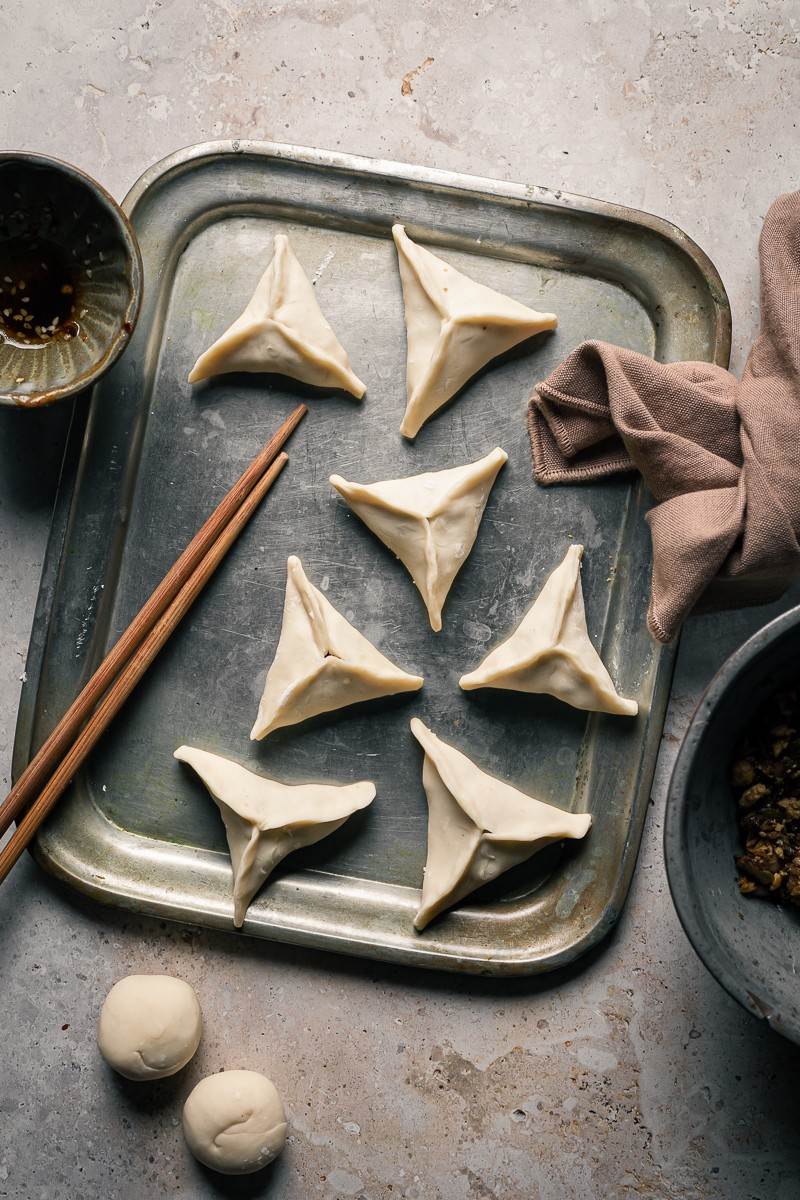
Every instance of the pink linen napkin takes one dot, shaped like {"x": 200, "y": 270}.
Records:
{"x": 720, "y": 456}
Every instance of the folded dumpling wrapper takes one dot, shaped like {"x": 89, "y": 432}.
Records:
{"x": 322, "y": 663}
{"x": 429, "y": 521}
{"x": 550, "y": 650}
{"x": 454, "y": 326}
{"x": 478, "y": 826}
{"x": 283, "y": 331}
{"x": 265, "y": 820}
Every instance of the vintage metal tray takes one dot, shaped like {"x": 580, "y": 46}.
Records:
{"x": 137, "y": 829}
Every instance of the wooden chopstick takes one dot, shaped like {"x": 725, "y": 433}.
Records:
{"x": 46, "y": 759}
{"x": 133, "y": 671}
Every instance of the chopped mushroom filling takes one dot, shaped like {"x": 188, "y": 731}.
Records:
{"x": 766, "y": 781}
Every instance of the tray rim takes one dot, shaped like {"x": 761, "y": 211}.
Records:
{"x": 535, "y": 196}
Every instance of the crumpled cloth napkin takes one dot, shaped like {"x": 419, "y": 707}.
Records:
{"x": 720, "y": 456}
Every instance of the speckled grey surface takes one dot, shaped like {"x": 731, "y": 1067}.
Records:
{"x": 633, "y": 1076}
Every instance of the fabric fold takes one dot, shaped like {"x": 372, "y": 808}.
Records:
{"x": 719, "y": 455}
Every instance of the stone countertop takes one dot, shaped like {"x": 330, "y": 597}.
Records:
{"x": 631, "y": 1074}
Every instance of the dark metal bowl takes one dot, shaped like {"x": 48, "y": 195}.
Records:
{"x": 749, "y": 945}
{"x": 70, "y": 280}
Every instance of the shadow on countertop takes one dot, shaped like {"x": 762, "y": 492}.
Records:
{"x": 32, "y": 445}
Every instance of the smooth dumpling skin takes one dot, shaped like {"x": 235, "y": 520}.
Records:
{"x": 478, "y": 826}
{"x": 150, "y": 1026}
{"x": 454, "y": 326}
{"x": 550, "y": 650}
{"x": 234, "y": 1122}
{"x": 429, "y": 521}
{"x": 322, "y": 662}
{"x": 265, "y": 820}
{"x": 283, "y": 331}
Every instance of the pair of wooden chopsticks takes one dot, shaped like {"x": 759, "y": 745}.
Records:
{"x": 50, "y": 771}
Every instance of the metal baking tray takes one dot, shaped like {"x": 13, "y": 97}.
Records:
{"x": 137, "y": 829}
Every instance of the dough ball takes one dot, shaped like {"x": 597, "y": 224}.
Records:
{"x": 150, "y": 1026}
{"x": 234, "y": 1122}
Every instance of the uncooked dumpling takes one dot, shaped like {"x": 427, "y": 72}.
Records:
{"x": 283, "y": 331}
{"x": 550, "y": 650}
{"x": 454, "y": 326}
{"x": 478, "y": 826}
{"x": 429, "y": 521}
{"x": 322, "y": 662}
{"x": 266, "y": 820}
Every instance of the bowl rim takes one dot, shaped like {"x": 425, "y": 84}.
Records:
{"x": 713, "y": 954}
{"x": 135, "y": 270}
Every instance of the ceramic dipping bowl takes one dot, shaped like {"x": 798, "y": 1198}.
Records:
{"x": 749, "y": 945}
{"x": 70, "y": 280}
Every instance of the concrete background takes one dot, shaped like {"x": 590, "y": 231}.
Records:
{"x": 633, "y": 1075}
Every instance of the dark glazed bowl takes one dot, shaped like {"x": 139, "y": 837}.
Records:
{"x": 70, "y": 280}
{"x": 749, "y": 945}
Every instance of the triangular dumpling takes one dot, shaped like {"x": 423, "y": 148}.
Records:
{"x": 283, "y": 331}
{"x": 429, "y": 521}
{"x": 550, "y": 650}
{"x": 322, "y": 662}
{"x": 266, "y": 820}
{"x": 478, "y": 826}
{"x": 454, "y": 326}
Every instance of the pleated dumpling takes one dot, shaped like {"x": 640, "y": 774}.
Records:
{"x": 322, "y": 663}
{"x": 282, "y": 330}
{"x": 265, "y": 820}
{"x": 454, "y": 326}
{"x": 429, "y": 521}
{"x": 550, "y": 650}
{"x": 478, "y": 826}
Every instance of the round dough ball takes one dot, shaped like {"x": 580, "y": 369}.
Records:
{"x": 150, "y": 1026}
{"x": 234, "y": 1122}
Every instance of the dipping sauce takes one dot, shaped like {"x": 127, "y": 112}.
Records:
{"x": 38, "y": 301}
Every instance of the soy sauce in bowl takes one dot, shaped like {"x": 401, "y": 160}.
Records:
{"x": 38, "y": 297}
{"x": 70, "y": 280}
